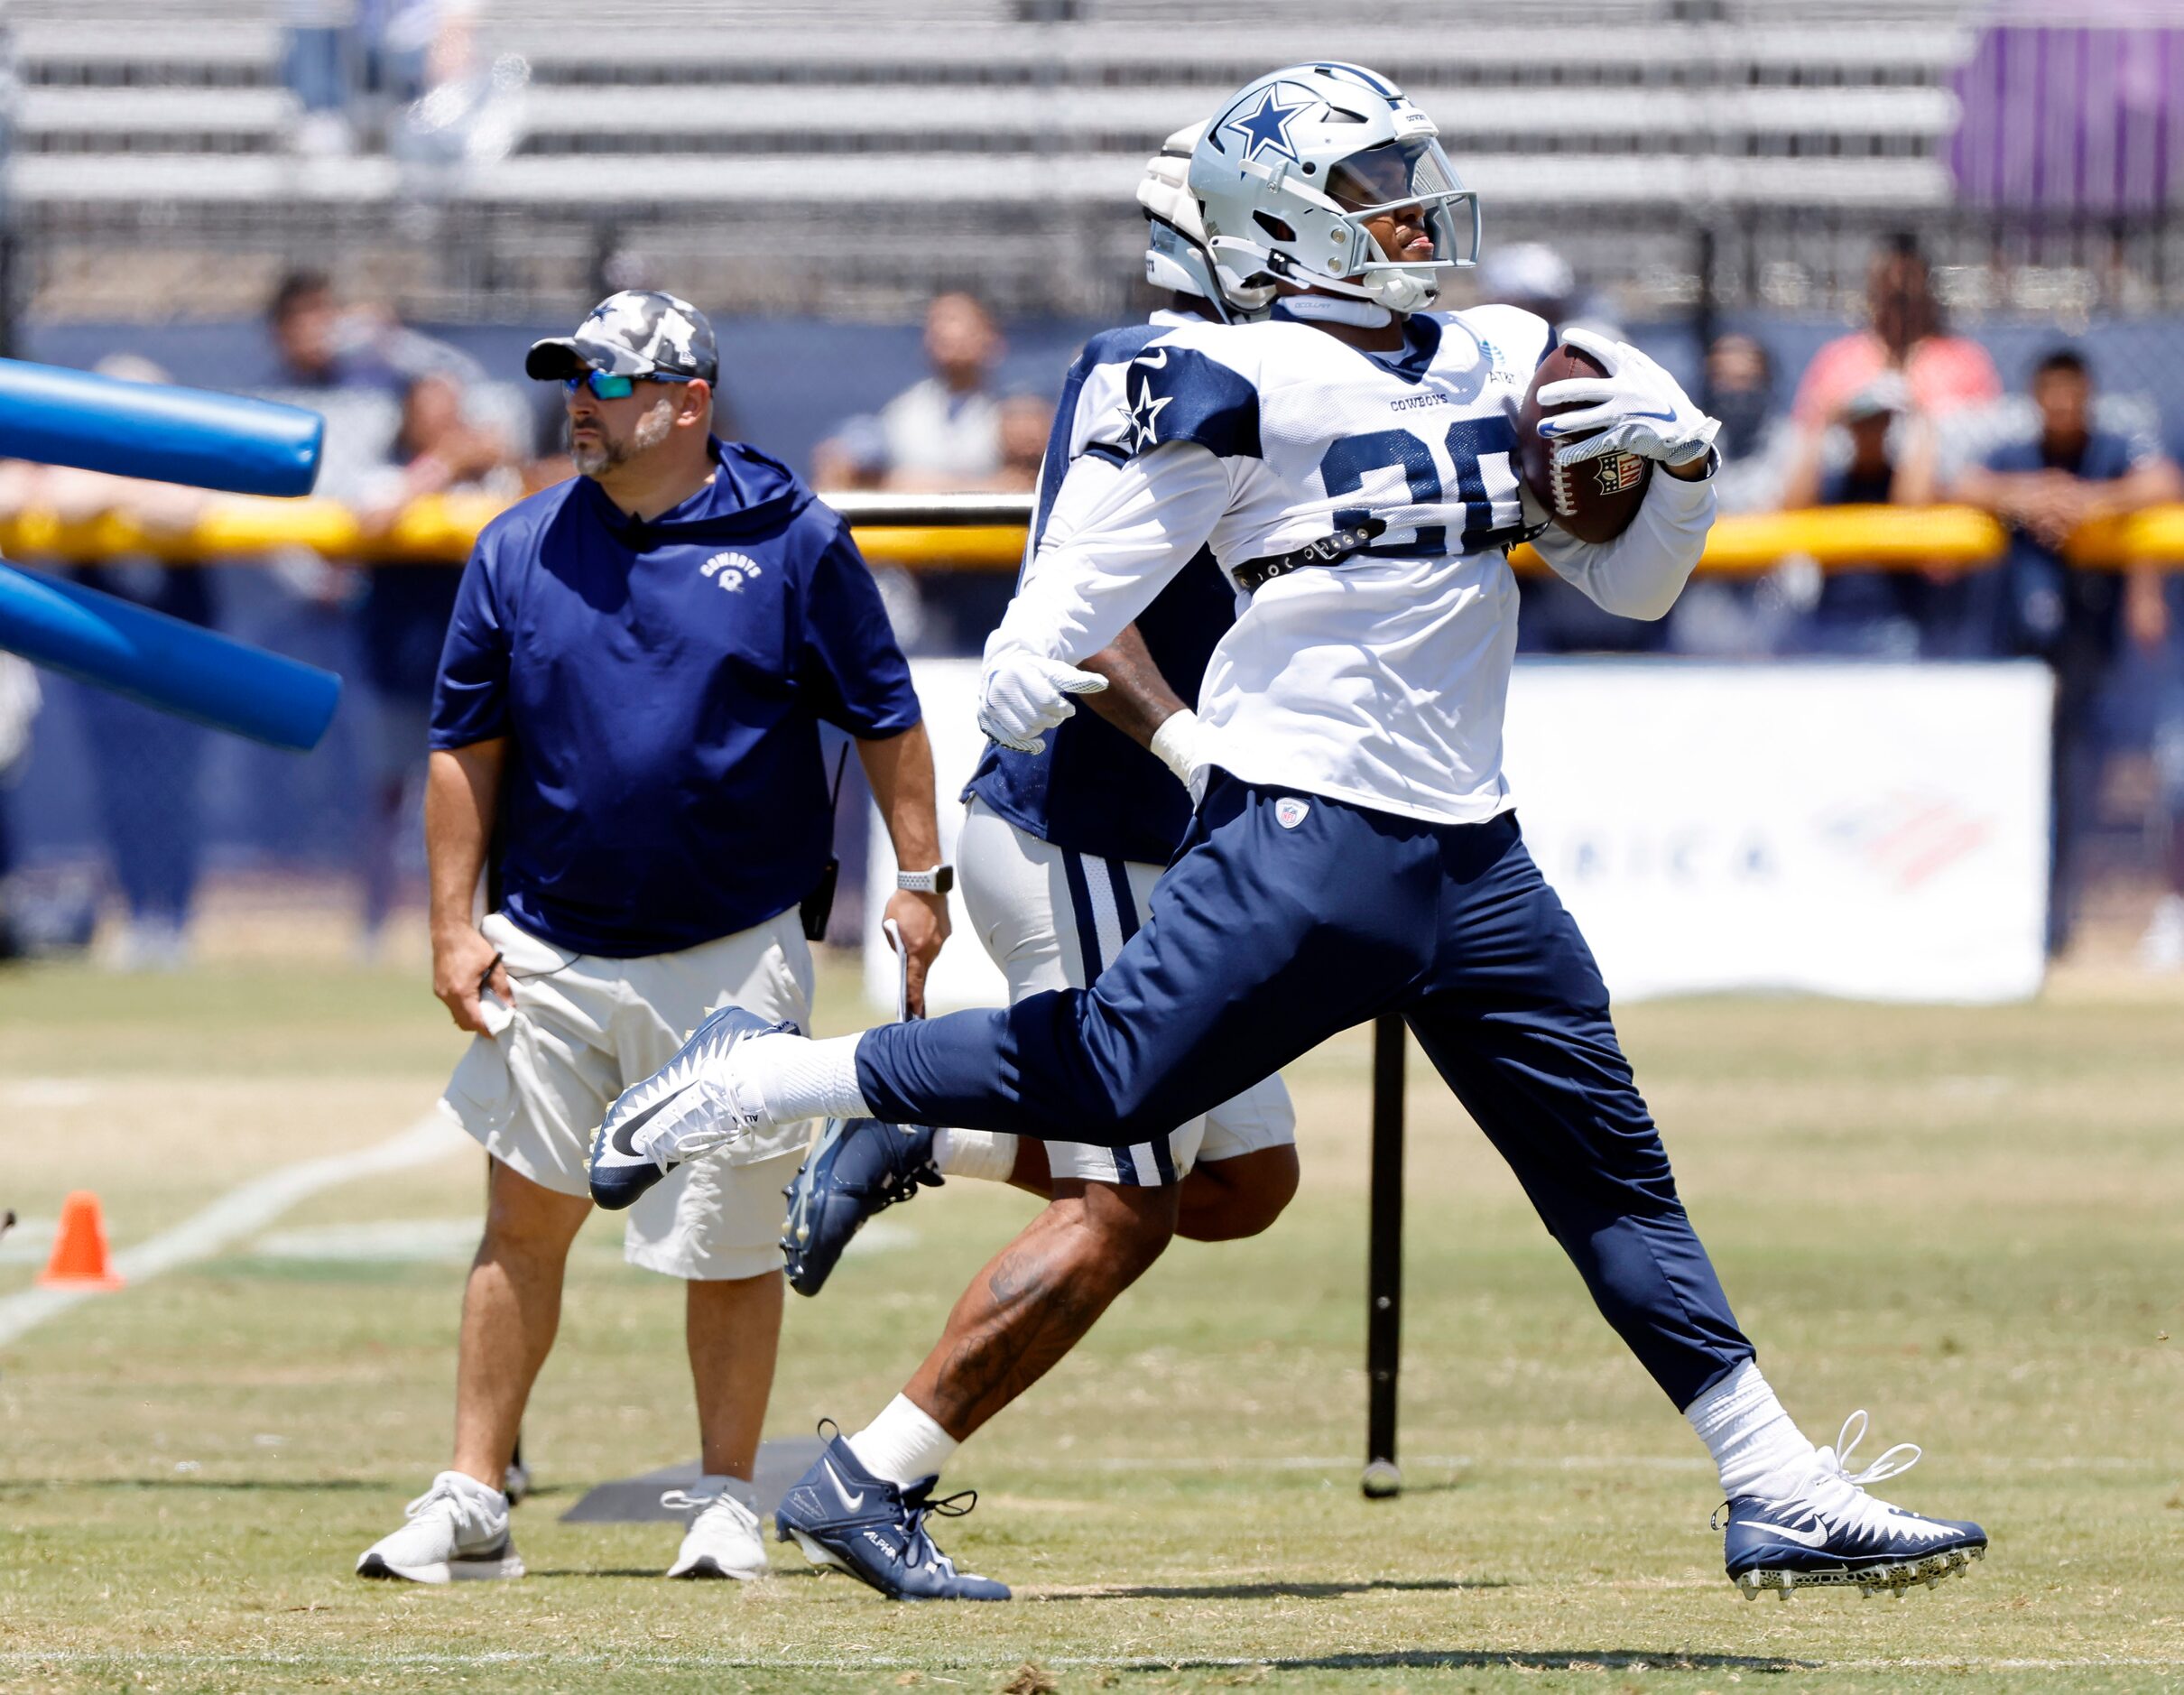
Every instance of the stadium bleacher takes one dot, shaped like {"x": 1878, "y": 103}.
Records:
{"x": 979, "y": 144}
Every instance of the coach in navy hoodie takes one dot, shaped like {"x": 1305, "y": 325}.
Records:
{"x": 628, "y": 713}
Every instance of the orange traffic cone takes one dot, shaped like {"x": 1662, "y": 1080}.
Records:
{"x": 80, "y": 1259}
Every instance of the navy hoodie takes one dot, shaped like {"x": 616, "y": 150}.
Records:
{"x": 661, "y": 684}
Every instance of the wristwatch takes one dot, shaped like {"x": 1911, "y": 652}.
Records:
{"x": 940, "y": 880}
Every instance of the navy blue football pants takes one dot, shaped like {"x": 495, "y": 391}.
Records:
{"x": 1266, "y": 937}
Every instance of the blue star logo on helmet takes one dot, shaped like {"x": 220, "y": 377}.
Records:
{"x": 1265, "y": 127}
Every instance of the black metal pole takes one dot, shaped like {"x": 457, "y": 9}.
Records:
{"x": 1385, "y": 1262}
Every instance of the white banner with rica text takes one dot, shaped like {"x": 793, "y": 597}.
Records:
{"x": 1868, "y": 830}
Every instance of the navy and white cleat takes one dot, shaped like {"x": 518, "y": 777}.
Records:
{"x": 857, "y": 1167}
{"x": 684, "y": 1110}
{"x": 843, "y": 1517}
{"x": 1834, "y": 1534}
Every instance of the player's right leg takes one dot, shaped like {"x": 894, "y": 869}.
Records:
{"x": 1517, "y": 1023}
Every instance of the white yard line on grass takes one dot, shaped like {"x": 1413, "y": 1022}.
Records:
{"x": 1363, "y": 1660}
{"x": 1062, "y": 1460}
{"x": 235, "y": 1214}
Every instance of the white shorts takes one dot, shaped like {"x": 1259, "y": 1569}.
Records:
{"x": 587, "y": 1027}
{"x": 1052, "y": 919}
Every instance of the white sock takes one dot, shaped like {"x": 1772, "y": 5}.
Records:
{"x": 903, "y": 1444}
{"x": 1757, "y": 1448}
{"x": 988, "y": 1155}
{"x": 796, "y": 1077}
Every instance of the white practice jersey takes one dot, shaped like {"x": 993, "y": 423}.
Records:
{"x": 1381, "y": 679}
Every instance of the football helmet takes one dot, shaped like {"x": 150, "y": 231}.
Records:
{"x": 1176, "y": 259}
{"x": 1297, "y": 164}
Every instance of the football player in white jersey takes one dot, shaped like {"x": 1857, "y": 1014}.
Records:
{"x": 1057, "y": 857}
{"x": 1354, "y": 851}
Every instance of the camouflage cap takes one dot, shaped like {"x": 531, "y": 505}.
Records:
{"x": 639, "y": 332}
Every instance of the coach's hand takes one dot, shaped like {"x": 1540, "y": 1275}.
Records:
{"x": 1023, "y": 695}
{"x": 924, "y": 919}
{"x": 463, "y": 962}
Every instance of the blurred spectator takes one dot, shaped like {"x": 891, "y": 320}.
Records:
{"x": 351, "y": 63}
{"x": 146, "y": 765}
{"x": 1533, "y": 275}
{"x": 2148, "y": 611}
{"x": 942, "y": 433}
{"x": 853, "y": 457}
{"x": 1026, "y": 420}
{"x": 19, "y": 703}
{"x": 402, "y": 620}
{"x": 1737, "y": 386}
{"x": 1906, "y": 333}
{"x": 1529, "y": 274}
{"x": 1722, "y": 618}
{"x": 1867, "y": 612}
{"x": 39, "y": 914}
{"x": 336, "y": 363}
{"x": 2072, "y": 472}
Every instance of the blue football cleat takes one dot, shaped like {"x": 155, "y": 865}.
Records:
{"x": 1834, "y": 1533}
{"x": 843, "y": 1517}
{"x": 676, "y": 1114}
{"x": 857, "y": 1167}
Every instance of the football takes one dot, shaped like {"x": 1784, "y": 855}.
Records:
{"x": 1595, "y": 499}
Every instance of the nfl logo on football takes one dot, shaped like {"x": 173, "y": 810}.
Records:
{"x": 1617, "y": 472}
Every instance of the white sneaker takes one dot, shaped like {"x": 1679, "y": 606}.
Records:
{"x": 723, "y": 1540}
{"x": 458, "y": 1528}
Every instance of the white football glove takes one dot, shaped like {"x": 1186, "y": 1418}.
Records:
{"x": 1637, "y": 407}
{"x": 1023, "y": 695}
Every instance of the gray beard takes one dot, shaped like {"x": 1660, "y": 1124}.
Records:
{"x": 652, "y": 427}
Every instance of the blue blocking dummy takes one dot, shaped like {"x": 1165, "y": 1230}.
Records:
{"x": 172, "y": 435}
{"x": 164, "y": 662}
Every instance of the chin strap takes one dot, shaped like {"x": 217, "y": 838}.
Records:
{"x": 1335, "y": 309}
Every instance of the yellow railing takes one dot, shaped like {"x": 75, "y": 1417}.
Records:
{"x": 439, "y": 531}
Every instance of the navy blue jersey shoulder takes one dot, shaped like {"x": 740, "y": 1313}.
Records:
{"x": 660, "y": 685}
{"x": 1179, "y": 395}
{"x": 1094, "y": 790}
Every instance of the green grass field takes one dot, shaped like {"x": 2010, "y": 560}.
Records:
{"x": 1971, "y": 1222}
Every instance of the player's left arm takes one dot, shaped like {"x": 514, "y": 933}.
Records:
{"x": 1138, "y": 701}
{"x": 1637, "y": 408}
{"x": 1116, "y": 536}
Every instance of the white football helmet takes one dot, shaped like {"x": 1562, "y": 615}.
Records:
{"x": 1289, "y": 172}
{"x": 1176, "y": 259}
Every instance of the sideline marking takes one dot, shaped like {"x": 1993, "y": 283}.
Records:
{"x": 1616, "y": 1659}
{"x": 236, "y": 1213}
{"x": 389, "y": 1240}
{"x": 1062, "y": 1460}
